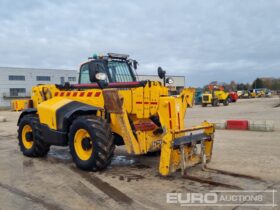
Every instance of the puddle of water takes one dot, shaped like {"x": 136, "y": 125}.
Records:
{"x": 124, "y": 169}
{"x": 59, "y": 155}
{"x": 123, "y": 161}
{"x": 120, "y": 160}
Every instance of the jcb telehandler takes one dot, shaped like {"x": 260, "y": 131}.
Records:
{"x": 110, "y": 107}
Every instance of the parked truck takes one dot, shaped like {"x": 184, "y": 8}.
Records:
{"x": 215, "y": 95}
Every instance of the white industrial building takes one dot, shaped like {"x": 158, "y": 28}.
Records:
{"x": 16, "y": 83}
{"x": 179, "y": 81}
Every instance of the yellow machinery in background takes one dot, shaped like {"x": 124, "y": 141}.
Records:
{"x": 109, "y": 108}
{"x": 259, "y": 93}
{"x": 253, "y": 93}
{"x": 214, "y": 96}
{"x": 20, "y": 104}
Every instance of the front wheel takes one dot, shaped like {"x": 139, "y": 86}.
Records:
{"x": 91, "y": 143}
{"x": 30, "y": 137}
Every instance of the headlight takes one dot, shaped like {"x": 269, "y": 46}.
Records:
{"x": 101, "y": 76}
{"x": 169, "y": 80}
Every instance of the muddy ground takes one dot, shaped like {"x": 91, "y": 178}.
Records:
{"x": 132, "y": 182}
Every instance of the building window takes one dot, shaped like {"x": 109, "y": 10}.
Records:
{"x": 71, "y": 79}
{"x": 16, "y": 77}
{"x": 62, "y": 80}
{"x": 43, "y": 78}
{"x": 17, "y": 92}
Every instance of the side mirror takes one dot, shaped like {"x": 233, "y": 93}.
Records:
{"x": 135, "y": 64}
{"x": 97, "y": 73}
{"x": 169, "y": 80}
{"x": 161, "y": 73}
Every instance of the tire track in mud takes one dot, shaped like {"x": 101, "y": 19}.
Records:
{"x": 84, "y": 191}
{"x": 105, "y": 187}
{"x": 30, "y": 197}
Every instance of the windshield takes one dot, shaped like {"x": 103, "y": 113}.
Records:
{"x": 120, "y": 71}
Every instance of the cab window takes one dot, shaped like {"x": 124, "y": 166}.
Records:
{"x": 120, "y": 72}
{"x": 84, "y": 74}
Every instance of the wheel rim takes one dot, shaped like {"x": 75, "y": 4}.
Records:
{"x": 27, "y": 136}
{"x": 83, "y": 144}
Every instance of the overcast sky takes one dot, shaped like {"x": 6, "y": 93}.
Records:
{"x": 202, "y": 40}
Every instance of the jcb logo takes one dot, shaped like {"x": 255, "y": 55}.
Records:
{"x": 156, "y": 144}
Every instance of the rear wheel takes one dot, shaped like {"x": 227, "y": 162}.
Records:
{"x": 30, "y": 137}
{"x": 91, "y": 143}
{"x": 203, "y": 105}
{"x": 226, "y": 102}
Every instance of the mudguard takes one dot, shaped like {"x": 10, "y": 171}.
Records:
{"x": 56, "y": 116}
{"x": 58, "y": 112}
{"x": 66, "y": 114}
{"x": 25, "y": 112}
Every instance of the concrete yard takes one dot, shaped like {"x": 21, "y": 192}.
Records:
{"x": 132, "y": 182}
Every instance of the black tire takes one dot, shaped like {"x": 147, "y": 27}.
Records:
{"x": 226, "y": 102}
{"x": 215, "y": 102}
{"x": 101, "y": 141}
{"x": 39, "y": 148}
{"x": 203, "y": 105}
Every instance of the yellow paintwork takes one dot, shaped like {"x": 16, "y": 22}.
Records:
{"x": 47, "y": 110}
{"x": 251, "y": 94}
{"x": 139, "y": 104}
{"x": 80, "y": 151}
{"x": 248, "y": 94}
{"x": 19, "y": 104}
{"x": 27, "y": 144}
{"x": 189, "y": 93}
{"x": 219, "y": 94}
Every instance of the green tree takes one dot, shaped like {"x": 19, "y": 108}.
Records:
{"x": 258, "y": 83}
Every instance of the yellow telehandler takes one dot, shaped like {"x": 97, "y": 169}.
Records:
{"x": 109, "y": 107}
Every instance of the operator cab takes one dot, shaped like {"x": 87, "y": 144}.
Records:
{"x": 113, "y": 68}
